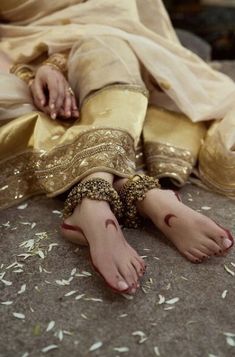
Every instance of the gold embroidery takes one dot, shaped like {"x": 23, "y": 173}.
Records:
{"x": 217, "y": 167}
{"x": 164, "y": 160}
{"x": 53, "y": 172}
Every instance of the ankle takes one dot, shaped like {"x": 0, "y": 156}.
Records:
{"x": 103, "y": 175}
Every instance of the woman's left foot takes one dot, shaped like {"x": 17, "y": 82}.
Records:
{"x": 196, "y": 236}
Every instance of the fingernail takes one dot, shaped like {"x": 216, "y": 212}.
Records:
{"x": 122, "y": 285}
{"x": 68, "y": 114}
{"x": 42, "y": 102}
{"x": 227, "y": 243}
{"x": 53, "y": 116}
{"x": 52, "y": 106}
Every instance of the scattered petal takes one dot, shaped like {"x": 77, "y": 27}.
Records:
{"x": 60, "y": 335}
{"x": 161, "y": 300}
{"x": 51, "y": 246}
{"x": 205, "y": 208}
{"x": 84, "y": 316}
{"x": 7, "y": 302}
{"x": 95, "y": 346}
{"x": 156, "y": 350}
{"x": 12, "y": 265}
{"x": 172, "y": 301}
{"x": 18, "y": 315}
{"x": 50, "y": 326}
{"x": 123, "y": 315}
{"x": 73, "y": 272}
{"x": 86, "y": 273}
{"x": 94, "y": 299}
{"x": 22, "y": 289}
{"x": 57, "y": 212}
{"x": 224, "y": 294}
{"x": 49, "y": 348}
{"x": 230, "y": 341}
{"x": 67, "y": 333}
{"x": 229, "y": 270}
{"x": 78, "y": 297}
{"x": 121, "y": 349}
{"x": 6, "y": 282}
{"x": 23, "y": 206}
{"x": 70, "y": 293}
{"x": 142, "y": 336}
{"x": 41, "y": 254}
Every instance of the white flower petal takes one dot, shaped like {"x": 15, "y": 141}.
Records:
{"x": 172, "y": 301}
{"x": 230, "y": 341}
{"x": 50, "y": 326}
{"x": 18, "y": 315}
{"x": 49, "y": 348}
{"x": 156, "y": 351}
{"x": 121, "y": 349}
{"x": 95, "y": 346}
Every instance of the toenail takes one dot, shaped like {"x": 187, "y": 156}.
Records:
{"x": 133, "y": 290}
{"x": 227, "y": 243}
{"x": 138, "y": 285}
{"x": 122, "y": 285}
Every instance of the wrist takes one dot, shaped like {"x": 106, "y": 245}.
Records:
{"x": 57, "y": 61}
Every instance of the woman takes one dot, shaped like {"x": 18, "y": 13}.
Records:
{"x": 113, "y": 54}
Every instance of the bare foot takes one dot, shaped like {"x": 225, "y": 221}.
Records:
{"x": 196, "y": 236}
{"x": 94, "y": 224}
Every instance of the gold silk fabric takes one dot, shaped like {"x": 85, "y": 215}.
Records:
{"x": 143, "y": 97}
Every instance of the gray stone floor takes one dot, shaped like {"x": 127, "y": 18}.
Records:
{"x": 201, "y": 323}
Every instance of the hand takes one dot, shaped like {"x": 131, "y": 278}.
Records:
{"x": 52, "y": 94}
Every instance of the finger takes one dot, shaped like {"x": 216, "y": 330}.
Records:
{"x": 38, "y": 92}
{"x": 68, "y": 104}
{"x": 61, "y": 92}
{"x": 74, "y": 107}
{"x": 53, "y": 93}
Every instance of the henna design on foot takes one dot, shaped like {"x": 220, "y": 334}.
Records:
{"x": 167, "y": 219}
{"x": 110, "y": 221}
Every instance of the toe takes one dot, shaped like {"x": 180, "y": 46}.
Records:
{"x": 199, "y": 254}
{"x": 137, "y": 266}
{"x": 210, "y": 247}
{"x": 129, "y": 277}
{"x": 191, "y": 257}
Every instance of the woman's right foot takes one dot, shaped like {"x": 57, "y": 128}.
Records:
{"x": 118, "y": 263}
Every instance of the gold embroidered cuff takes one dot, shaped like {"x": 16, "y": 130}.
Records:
{"x": 167, "y": 161}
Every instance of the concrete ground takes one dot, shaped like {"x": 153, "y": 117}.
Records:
{"x": 52, "y": 280}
